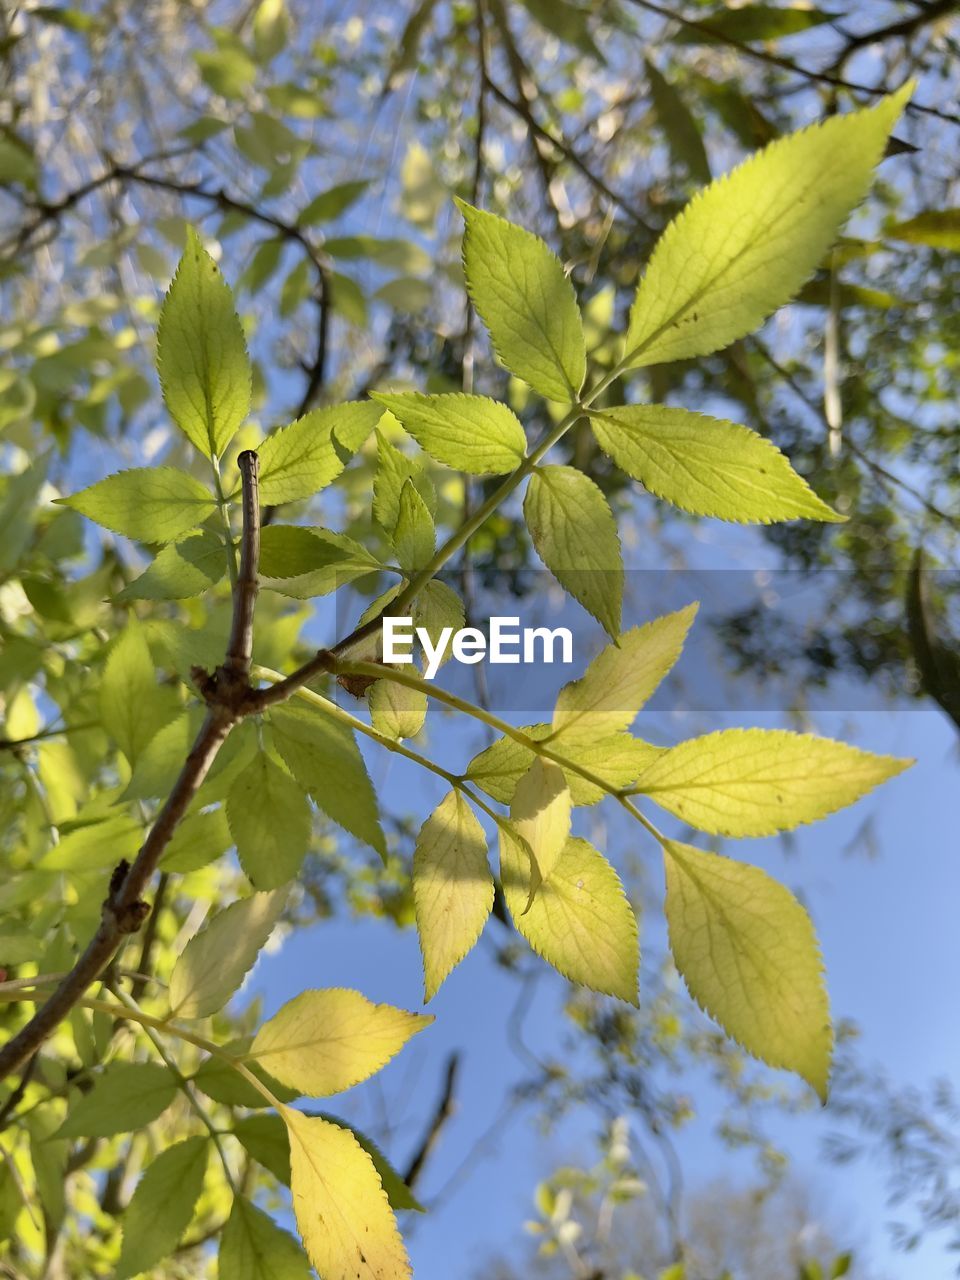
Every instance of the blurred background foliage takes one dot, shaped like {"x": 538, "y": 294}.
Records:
{"x": 317, "y": 147}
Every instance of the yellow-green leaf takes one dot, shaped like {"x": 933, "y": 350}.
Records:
{"x": 580, "y": 921}
{"x": 201, "y": 353}
{"x": 414, "y": 536}
{"x": 150, "y": 504}
{"x": 706, "y": 465}
{"x": 528, "y": 304}
{"x": 744, "y": 245}
{"x": 342, "y": 1212}
{"x": 303, "y": 458}
{"x": 452, "y": 887}
{"x": 619, "y": 680}
{"x": 756, "y": 782}
{"x": 470, "y": 433}
{"x": 541, "y": 813}
{"x": 322, "y": 1042}
{"x": 270, "y": 820}
{"x": 618, "y": 759}
{"x": 133, "y": 706}
{"x": 748, "y": 953}
{"x": 216, "y": 960}
{"x": 396, "y": 710}
{"x": 575, "y": 535}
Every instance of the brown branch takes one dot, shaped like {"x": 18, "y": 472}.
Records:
{"x": 16, "y": 1094}
{"x": 895, "y": 30}
{"x": 226, "y": 692}
{"x": 444, "y": 1109}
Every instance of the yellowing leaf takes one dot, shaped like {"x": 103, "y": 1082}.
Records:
{"x": 619, "y": 680}
{"x": 150, "y": 504}
{"x": 345, "y": 1221}
{"x": 939, "y": 228}
{"x": 575, "y": 535}
{"x": 217, "y": 959}
{"x": 394, "y": 469}
{"x": 470, "y": 433}
{"x": 618, "y": 759}
{"x": 526, "y": 301}
{"x": 452, "y": 887}
{"x": 748, "y": 953}
{"x": 541, "y": 813}
{"x": 396, "y": 710}
{"x": 201, "y": 353}
{"x": 744, "y": 245}
{"x": 580, "y": 921}
{"x": 322, "y": 1042}
{"x": 756, "y": 782}
{"x": 705, "y": 465}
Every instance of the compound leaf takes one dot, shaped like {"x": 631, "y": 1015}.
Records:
{"x": 470, "y": 433}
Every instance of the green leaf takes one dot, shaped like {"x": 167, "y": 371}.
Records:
{"x": 756, "y": 782}
{"x": 182, "y": 569}
{"x": 331, "y": 203}
{"x": 619, "y": 680}
{"x": 575, "y": 535}
{"x": 198, "y": 841}
{"x": 221, "y": 1081}
{"x": 301, "y": 562}
{"x": 618, "y": 758}
{"x": 745, "y": 244}
{"x": 162, "y": 1206}
{"x": 939, "y": 228}
{"x": 452, "y": 887}
{"x": 414, "y": 536}
{"x": 323, "y": 1042}
{"x": 150, "y": 504}
{"x": 528, "y": 304}
{"x": 394, "y": 469}
{"x": 751, "y": 22}
{"x": 303, "y": 458}
{"x": 566, "y": 22}
{"x": 396, "y": 710}
{"x": 216, "y": 960}
{"x": 679, "y": 127}
{"x": 345, "y": 1220}
{"x": 323, "y": 757}
{"x": 253, "y": 1247}
{"x": 706, "y": 465}
{"x": 749, "y": 956}
{"x": 125, "y": 1096}
{"x": 201, "y": 353}
{"x": 541, "y": 811}
{"x": 470, "y": 433}
{"x": 580, "y": 921}
{"x": 270, "y": 821}
{"x": 271, "y": 25}
{"x": 438, "y": 606}
{"x": 133, "y": 706}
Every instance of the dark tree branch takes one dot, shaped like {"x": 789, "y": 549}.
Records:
{"x": 785, "y": 64}
{"x": 444, "y": 1109}
{"x": 124, "y": 910}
